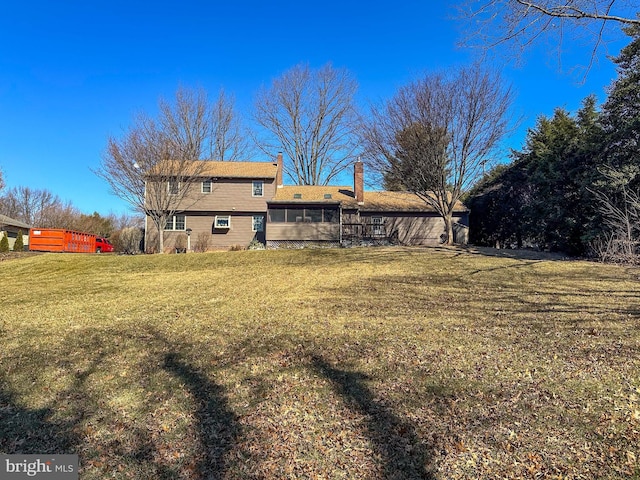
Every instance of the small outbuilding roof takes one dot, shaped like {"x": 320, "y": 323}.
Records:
{"x": 12, "y": 222}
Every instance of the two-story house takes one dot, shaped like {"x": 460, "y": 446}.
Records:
{"x": 227, "y": 202}
{"x": 234, "y": 203}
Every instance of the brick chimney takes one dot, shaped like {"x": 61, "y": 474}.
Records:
{"x": 279, "y": 170}
{"x": 358, "y": 181}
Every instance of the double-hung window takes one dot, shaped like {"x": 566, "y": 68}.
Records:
{"x": 176, "y": 222}
{"x": 173, "y": 187}
{"x": 257, "y": 188}
{"x": 206, "y": 186}
{"x": 377, "y": 226}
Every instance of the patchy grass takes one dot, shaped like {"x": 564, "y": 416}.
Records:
{"x": 359, "y": 363}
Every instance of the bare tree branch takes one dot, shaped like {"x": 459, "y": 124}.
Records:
{"x": 620, "y": 215}
{"x": 574, "y": 11}
{"x": 521, "y": 23}
{"x": 310, "y": 116}
{"x": 229, "y": 138}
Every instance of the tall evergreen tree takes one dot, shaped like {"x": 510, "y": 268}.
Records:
{"x": 621, "y": 111}
{"x": 541, "y": 198}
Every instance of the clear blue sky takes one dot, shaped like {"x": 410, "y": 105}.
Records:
{"x": 74, "y": 72}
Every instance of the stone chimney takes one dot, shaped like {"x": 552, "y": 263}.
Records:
{"x": 358, "y": 181}
{"x": 279, "y": 170}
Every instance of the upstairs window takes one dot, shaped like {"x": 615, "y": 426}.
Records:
{"x": 206, "y": 186}
{"x": 173, "y": 187}
{"x": 257, "y": 188}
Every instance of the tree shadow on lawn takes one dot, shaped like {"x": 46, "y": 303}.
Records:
{"x": 33, "y": 431}
{"x": 37, "y": 431}
{"x": 61, "y": 425}
{"x": 324, "y": 257}
{"x": 217, "y": 425}
{"x": 517, "y": 254}
{"x": 403, "y": 455}
{"x": 461, "y": 296}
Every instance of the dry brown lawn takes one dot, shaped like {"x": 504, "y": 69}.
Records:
{"x": 381, "y": 363}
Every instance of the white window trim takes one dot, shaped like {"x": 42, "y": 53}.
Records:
{"x": 253, "y": 194}
{"x": 210, "y": 187}
{"x": 253, "y": 223}
{"x": 171, "y": 224}
{"x": 220, "y": 217}
{"x": 377, "y": 223}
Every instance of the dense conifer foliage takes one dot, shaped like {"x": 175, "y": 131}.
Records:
{"x": 574, "y": 174}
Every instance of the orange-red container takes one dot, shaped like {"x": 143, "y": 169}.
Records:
{"x": 60, "y": 240}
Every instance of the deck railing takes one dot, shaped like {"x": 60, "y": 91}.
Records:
{"x": 363, "y": 231}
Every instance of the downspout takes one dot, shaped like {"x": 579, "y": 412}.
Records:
{"x": 340, "y": 219}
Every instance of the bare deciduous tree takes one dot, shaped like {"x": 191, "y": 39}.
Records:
{"x": 204, "y": 130}
{"x": 230, "y": 140}
{"x": 154, "y": 166}
{"x": 620, "y": 215}
{"x": 183, "y": 124}
{"x": 435, "y": 135}
{"x": 521, "y": 23}
{"x": 310, "y": 116}
{"x": 1, "y": 180}
{"x": 39, "y": 208}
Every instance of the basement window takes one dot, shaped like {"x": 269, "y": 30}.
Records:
{"x": 222, "y": 221}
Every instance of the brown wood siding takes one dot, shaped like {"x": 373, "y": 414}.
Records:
{"x": 412, "y": 229}
{"x": 350, "y": 216}
{"x": 318, "y": 232}
{"x": 230, "y": 194}
{"x": 240, "y": 233}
